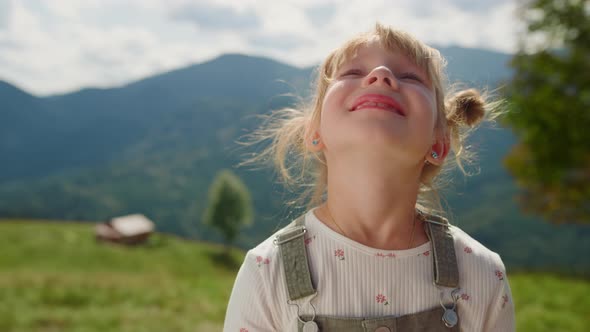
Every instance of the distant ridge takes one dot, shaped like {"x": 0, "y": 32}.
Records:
{"x": 462, "y": 61}
{"x": 152, "y": 146}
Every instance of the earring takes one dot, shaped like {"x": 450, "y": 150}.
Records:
{"x": 434, "y": 155}
{"x": 315, "y": 142}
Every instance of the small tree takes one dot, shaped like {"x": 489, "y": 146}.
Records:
{"x": 230, "y": 206}
{"x": 550, "y": 97}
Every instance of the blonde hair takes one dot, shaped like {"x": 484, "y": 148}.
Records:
{"x": 288, "y": 129}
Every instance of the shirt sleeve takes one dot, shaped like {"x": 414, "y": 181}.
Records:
{"x": 500, "y": 315}
{"x": 251, "y": 306}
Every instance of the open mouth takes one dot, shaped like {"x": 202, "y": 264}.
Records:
{"x": 376, "y": 101}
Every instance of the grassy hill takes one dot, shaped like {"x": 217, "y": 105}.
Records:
{"x": 55, "y": 277}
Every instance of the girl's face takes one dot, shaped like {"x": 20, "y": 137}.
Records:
{"x": 379, "y": 101}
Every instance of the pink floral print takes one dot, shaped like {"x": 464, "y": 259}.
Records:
{"x": 504, "y": 300}
{"x": 339, "y": 253}
{"x": 464, "y": 297}
{"x": 260, "y": 261}
{"x": 499, "y": 274}
{"x": 309, "y": 239}
{"x": 468, "y": 250}
{"x": 243, "y": 329}
{"x": 426, "y": 253}
{"x": 380, "y": 298}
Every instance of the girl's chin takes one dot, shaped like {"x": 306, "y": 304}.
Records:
{"x": 377, "y": 141}
{"x": 382, "y": 145}
{"x": 376, "y": 136}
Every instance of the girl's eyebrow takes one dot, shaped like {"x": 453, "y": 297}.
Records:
{"x": 346, "y": 63}
{"x": 343, "y": 66}
{"x": 349, "y": 62}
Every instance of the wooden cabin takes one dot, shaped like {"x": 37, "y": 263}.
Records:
{"x": 131, "y": 229}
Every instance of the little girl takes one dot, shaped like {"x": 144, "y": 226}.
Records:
{"x": 373, "y": 252}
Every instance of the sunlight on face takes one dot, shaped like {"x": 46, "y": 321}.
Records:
{"x": 379, "y": 102}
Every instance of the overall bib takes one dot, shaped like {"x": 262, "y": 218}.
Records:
{"x": 446, "y": 274}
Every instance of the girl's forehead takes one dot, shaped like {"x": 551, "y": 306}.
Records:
{"x": 375, "y": 50}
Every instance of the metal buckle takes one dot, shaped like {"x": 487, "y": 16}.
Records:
{"x": 449, "y": 317}
{"x": 437, "y": 222}
{"x": 276, "y": 241}
{"x": 299, "y": 308}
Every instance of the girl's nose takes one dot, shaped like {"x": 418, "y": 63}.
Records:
{"x": 381, "y": 76}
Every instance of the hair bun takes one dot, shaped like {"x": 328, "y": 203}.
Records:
{"x": 466, "y": 107}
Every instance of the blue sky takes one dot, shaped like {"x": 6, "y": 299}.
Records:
{"x": 56, "y": 46}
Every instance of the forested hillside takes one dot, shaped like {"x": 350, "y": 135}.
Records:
{"x": 154, "y": 146}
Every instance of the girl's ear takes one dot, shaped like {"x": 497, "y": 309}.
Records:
{"x": 314, "y": 143}
{"x": 441, "y": 147}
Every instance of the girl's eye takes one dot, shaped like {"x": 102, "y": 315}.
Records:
{"x": 411, "y": 76}
{"x": 352, "y": 72}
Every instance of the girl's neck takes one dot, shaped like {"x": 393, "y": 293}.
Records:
{"x": 375, "y": 208}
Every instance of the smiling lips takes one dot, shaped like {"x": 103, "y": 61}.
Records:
{"x": 376, "y": 101}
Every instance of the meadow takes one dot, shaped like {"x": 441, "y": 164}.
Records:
{"x": 55, "y": 277}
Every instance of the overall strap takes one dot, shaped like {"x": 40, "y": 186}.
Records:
{"x": 294, "y": 256}
{"x": 296, "y": 266}
{"x": 446, "y": 270}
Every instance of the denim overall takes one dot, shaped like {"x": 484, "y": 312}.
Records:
{"x": 446, "y": 274}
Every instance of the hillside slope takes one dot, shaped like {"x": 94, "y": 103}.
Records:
{"x": 55, "y": 277}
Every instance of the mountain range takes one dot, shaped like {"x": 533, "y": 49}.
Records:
{"x": 153, "y": 146}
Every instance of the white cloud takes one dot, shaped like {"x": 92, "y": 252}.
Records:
{"x": 217, "y": 17}
{"x": 5, "y": 13}
{"x": 51, "y": 46}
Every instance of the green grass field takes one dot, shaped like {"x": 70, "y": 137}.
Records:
{"x": 55, "y": 277}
